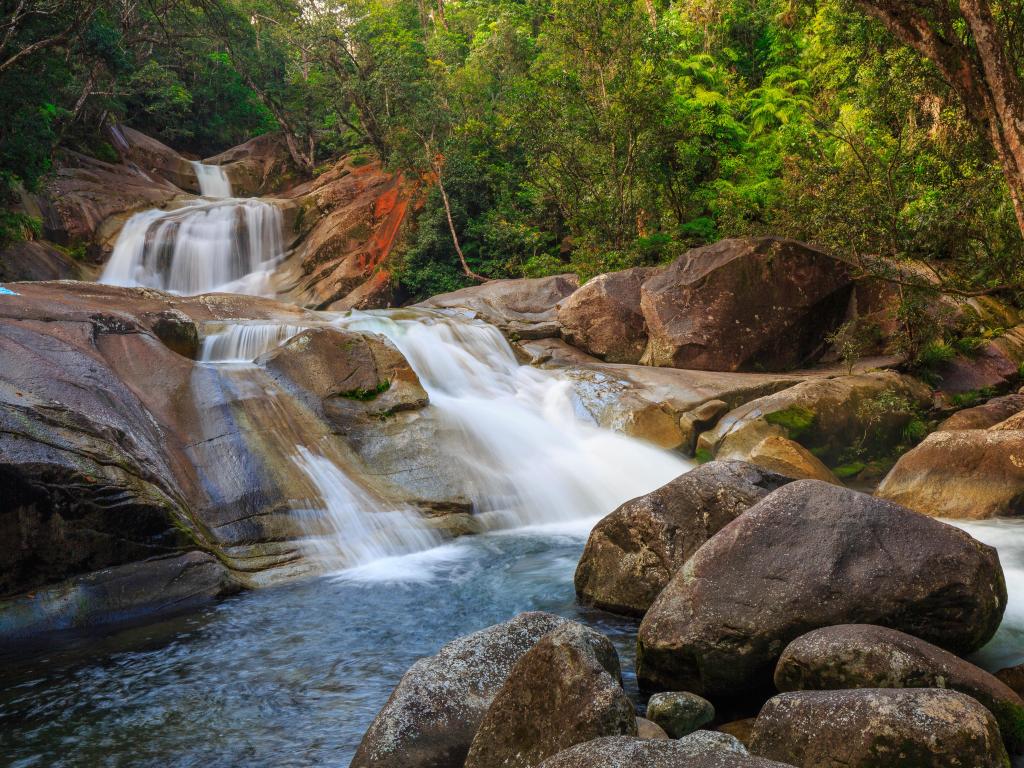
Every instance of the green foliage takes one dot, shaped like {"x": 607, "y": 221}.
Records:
{"x": 364, "y": 394}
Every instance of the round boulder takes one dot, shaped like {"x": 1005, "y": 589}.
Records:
{"x": 811, "y": 555}
{"x": 434, "y": 712}
{"x": 633, "y": 552}
{"x": 603, "y": 316}
{"x": 703, "y": 749}
{"x": 680, "y": 713}
{"x": 878, "y": 728}
{"x": 867, "y": 656}
{"x": 564, "y": 691}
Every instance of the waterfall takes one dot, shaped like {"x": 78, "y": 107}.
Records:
{"x": 213, "y": 180}
{"x": 205, "y": 246}
{"x": 515, "y": 431}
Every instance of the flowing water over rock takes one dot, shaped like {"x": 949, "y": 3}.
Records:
{"x": 215, "y": 243}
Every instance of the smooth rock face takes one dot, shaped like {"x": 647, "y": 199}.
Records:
{"x": 703, "y": 749}
{"x": 260, "y": 166}
{"x": 866, "y": 656}
{"x": 878, "y": 728}
{"x": 38, "y": 260}
{"x": 742, "y": 304}
{"x": 633, "y": 552}
{"x": 680, "y": 713}
{"x": 525, "y": 308}
{"x": 434, "y": 712}
{"x": 812, "y": 555}
{"x": 564, "y": 691}
{"x": 350, "y": 374}
{"x": 603, "y": 316}
{"x": 969, "y": 474}
{"x": 154, "y": 157}
{"x": 157, "y": 586}
{"x": 780, "y": 454}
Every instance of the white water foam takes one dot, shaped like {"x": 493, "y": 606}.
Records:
{"x": 243, "y": 342}
{"x": 514, "y": 430}
{"x": 227, "y": 245}
{"x": 213, "y": 180}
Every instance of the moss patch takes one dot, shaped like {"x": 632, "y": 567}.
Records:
{"x": 795, "y": 420}
{"x": 364, "y": 395}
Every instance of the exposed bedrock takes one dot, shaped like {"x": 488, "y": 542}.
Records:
{"x": 812, "y": 555}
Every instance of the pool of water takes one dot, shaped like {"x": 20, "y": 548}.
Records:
{"x": 292, "y": 676}
{"x": 289, "y": 676}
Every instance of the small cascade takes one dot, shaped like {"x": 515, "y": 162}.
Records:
{"x": 213, "y": 180}
{"x": 244, "y": 342}
{"x": 229, "y": 246}
{"x": 348, "y": 526}
{"x": 515, "y": 431}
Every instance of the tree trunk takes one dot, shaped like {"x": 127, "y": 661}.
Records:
{"x": 451, "y": 228}
{"x": 982, "y": 74}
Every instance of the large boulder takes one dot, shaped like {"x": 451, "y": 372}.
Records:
{"x": 970, "y": 474}
{"x": 260, "y": 166}
{"x": 812, "y": 555}
{"x": 825, "y": 415}
{"x": 1013, "y": 678}
{"x": 633, "y": 552}
{"x": 154, "y": 157}
{"x": 350, "y": 375}
{"x": 866, "y": 656}
{"x": 434, "y": 712}
{"x": 878, "y": 728}
{"x": 564, "y": 691}
{"x": 744, "y": 304}
{"x": 603, "y": 316}
{"x": 526, "y": 308}
{"x": 703, "y": 749}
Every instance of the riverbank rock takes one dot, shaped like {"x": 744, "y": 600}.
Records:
{"x": 157, "y": 586}
{"x": 924, "y": 728}
{"x": 824, "y": 415}
{"x": 984, "y": 416}
{"x": 260, "y": 166}
{"x": 564, "y": 691}
{"x": 434, "y": 712}
{"x": 603, "y": 316}
{"x": 38, "y": 260}
{"x": 703, "y": 749}
{"x": 744, "y": 304}
{"x": 347, "y": 223}
{"x": 812, "y": 555}
{"x": 154, "y": 157}
{"x": 526, "y": 308}
{"x": 645, "y": 729}
{"x": 971, "y": 474}
{"x": 680, "y": 713}
{"x": 866, "y": 656}
{"x": 632, "y": 553}
{"x": 350, "y": 375}
{"x": 1013, "y": 677}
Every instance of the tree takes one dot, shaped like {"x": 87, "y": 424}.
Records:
{"x": 975, "y": 44}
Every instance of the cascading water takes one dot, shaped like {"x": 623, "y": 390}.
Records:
{"x": 216, "y": 243}
{"x": 213, "y": 180}
{"x": 516, "y": 432}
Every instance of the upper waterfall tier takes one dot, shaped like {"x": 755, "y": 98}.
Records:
{"x": 213, "y": 180}
{"x": 229, "y": 245}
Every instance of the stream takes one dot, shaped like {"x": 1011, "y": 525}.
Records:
{"x": 292, "y": 675}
